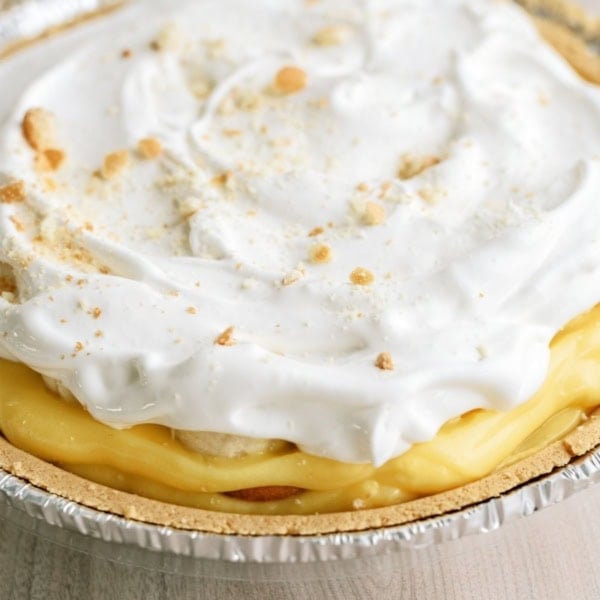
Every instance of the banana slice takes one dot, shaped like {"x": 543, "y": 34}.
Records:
{"x": 226, "y": 445}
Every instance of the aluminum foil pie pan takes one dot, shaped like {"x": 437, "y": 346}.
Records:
{"x": 234, "y": 556}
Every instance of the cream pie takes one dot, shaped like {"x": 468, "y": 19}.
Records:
{"x": 333, "y": 263}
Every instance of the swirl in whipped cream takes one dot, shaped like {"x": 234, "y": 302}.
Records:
{"x": 439, "y": 145}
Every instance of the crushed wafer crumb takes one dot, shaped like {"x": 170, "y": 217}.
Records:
{"x": 114, "y": 164}
{"x": 294, "y": 275}
{"x": 13, "y": 192}
{"x": 96, "y": 312}
{"x": 78, "y": 346}
{"x": 18, "y": 224}
{"x": 225, "y": 338}
{"x": 149, "y": 148}
{"x": 222, "y": 179}
{"x": 315, "y": 231}
{"x": 290, "y": 80}
{"x": 320, "y": 254}
{"x": 39, "y": 128}
{"x": 169, "y": 39}
{"x": 374, "y": 214}
{"x": 98, "y": 333}
{"x": 384, "y": 361}
{"x": 332, "y": 35}
{"x": 362, "y": 187}
{"x": 249, "y": 100}
{"x": 361, "y": 276}
{"x": 50, "y": 159}
{"x": 201, "y": 88}
{"x": 430, "y": 194}
{"x": 192, "y": 310}
{"x": 411, "y": 166}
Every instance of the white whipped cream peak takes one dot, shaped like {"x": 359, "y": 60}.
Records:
{"x": 123, "y": 285}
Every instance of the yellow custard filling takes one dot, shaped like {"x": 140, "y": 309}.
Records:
{"x": 147, "y": 460}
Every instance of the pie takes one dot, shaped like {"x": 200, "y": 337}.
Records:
{"x": 324, "y": 266}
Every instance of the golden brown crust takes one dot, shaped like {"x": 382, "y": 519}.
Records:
{"x": 572, "y": 48}
{"x": 72, "y": 487}
{"x": 51, "y": 31}
{"x": 567, "y": 12}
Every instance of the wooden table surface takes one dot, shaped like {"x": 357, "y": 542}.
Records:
{"x": 553, "y": 554}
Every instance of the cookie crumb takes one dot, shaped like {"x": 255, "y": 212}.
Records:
{"x": 411, "y": 166}
{"x": 149, "y": 148}
{"x": 315, "y": 231}
{"x": 294, "y": 275}
{"x": 50, "y": 159}
{"x": 332, "y": 35}
{"x": 222, "y": 179}
{"x": 320, "y": 254}
{"x": 191, "y": 310}
{"x": 290, "y": 80}
{"x": 361, "y": 276}
{"x": 374, "y": 214}
{"x": 169, "y": 39}
{"x": 39, "y": 128}
{"x": 225, "y": 338}
{"x": 13, "y": 192}
{"x": 114, "y": 164}
{"x": 384, "y": 361}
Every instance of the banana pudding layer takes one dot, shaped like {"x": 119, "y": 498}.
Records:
{"x": 339, "y": 225}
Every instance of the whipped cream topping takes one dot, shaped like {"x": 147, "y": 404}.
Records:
{"x": 438, "y": 145}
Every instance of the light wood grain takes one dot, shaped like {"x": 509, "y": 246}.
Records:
{"x": 551, "y": 555}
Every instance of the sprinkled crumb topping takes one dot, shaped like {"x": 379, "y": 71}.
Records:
{"x": 332, "y": 35}
{"x": 39, "y": 128}
{"x": 315, "y": 231}
{"x": 361, "y": 276}
{"x": 411, "y": 166}
{"x": 225, "y": 338}
{"x": 290, "y": 80}
{"x": 374, "y": 214}
{"x": 149, "y": 148}
{"x": 222, "y": 179}
{"x": 169, "y": 39}
{"x": 13, "y": 192}
{"x": 320, "y": 253}
{"x": 114, "y": 164}
{"x": 384, "y": 361}
{"x": 50, "y": 159}
{"x": 293, "y": 276}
